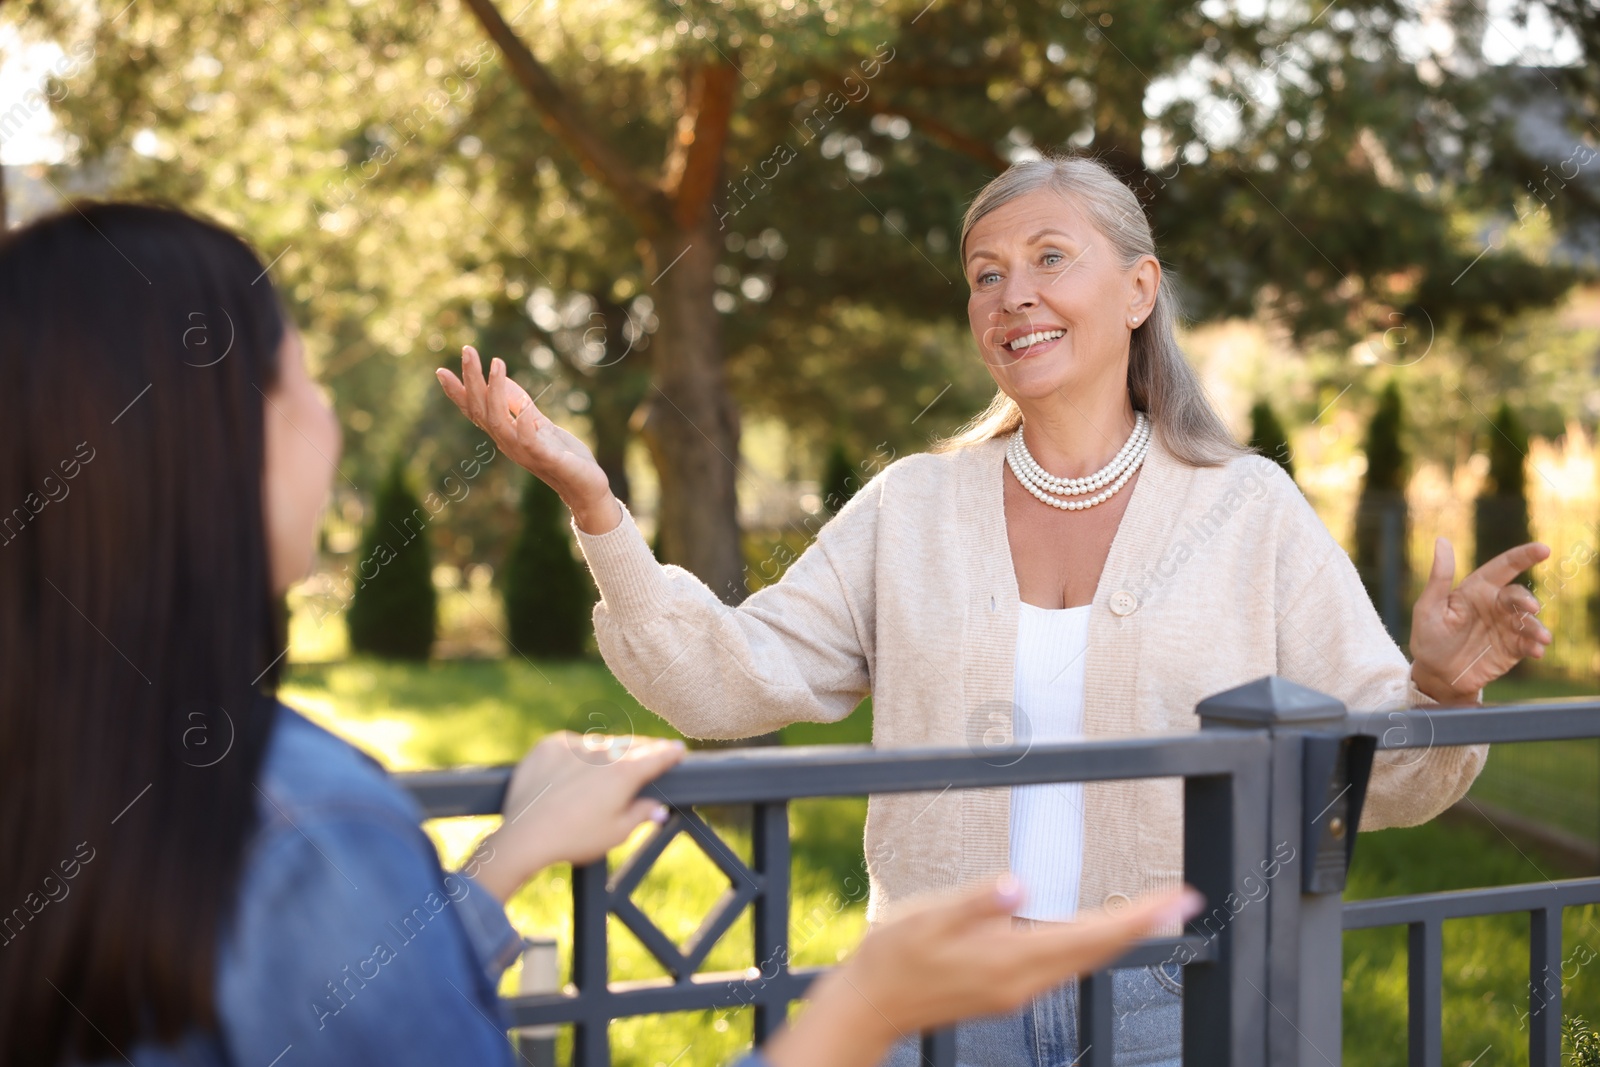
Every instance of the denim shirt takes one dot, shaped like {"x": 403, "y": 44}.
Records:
{"x": 350, "y": 944}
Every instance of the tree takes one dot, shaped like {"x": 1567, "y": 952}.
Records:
{"x": 394, "y": 612}
{"x": 690, "y": 425}
{"x": 840, "y": 479}
{"x": 548, "y": 596}
{"x": 1268, "y": 438}
{"x": 1500, "y": 515}
{"x": 1382, "y": 518}
{"x": 776, "y": 178}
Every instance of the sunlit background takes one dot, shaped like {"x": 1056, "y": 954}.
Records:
{"x": 1360, "y": 201}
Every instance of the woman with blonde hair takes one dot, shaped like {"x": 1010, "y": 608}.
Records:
{"x": 1090, "y": 556}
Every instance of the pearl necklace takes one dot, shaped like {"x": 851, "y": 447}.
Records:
{"x": 1048, "y": 488}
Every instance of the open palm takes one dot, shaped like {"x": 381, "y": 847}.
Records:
{"x": 504, "y": 410}
{"x": 1464, "y": 638}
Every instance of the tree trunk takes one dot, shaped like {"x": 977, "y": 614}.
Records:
{"x": 615, "y": 386}
{"x": 691, "y": 425}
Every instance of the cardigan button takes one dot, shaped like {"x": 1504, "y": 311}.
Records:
{"x": 1117, "y": 901}
{"x": 1124, "y": 603}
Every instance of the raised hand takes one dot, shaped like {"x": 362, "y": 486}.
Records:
{"x": 571, "y": 800}
{"x": 1464, "y": 638}
{"x": 505, "y": 411}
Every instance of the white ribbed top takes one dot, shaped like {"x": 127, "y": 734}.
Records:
{"x": 1047, "y": 820}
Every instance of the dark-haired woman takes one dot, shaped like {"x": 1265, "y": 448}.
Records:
{"x": 195, "y": 874}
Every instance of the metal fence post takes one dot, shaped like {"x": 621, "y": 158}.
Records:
{"x": 1225, "y": 824}
{"x": 1317, "y": 784}
{"x": 536, "y": 1045}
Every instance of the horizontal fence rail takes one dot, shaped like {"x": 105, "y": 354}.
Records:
{"x": 1274, "y": 781}
{"x": 767, "y": 774}
{"x": 1437, "y": 727}
{"x": 768, "y": 779}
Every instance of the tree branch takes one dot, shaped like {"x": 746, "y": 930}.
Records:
{"x": 568, "y": 123}
{"x": 695, "y": 161}
{"x": 942, "y": 134}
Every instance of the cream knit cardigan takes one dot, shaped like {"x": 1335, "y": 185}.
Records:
{"x": 1216, "y": 577}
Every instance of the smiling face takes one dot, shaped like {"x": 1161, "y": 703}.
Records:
{"x": 1052, "y": 308}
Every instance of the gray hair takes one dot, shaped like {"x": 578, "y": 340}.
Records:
{"x": 1160, "y": 381}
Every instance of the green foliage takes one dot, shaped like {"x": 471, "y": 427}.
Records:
{"x": 1508, "y": 454}
{"x": 394, "y": 612}
{"x": 1382, "y": 518}
{"x": 840, "y": 479}
{"x": 548, "y": 595}
{"x": 1268, "y": 437}
{"x": 418, "y": 201}
{"x": 1387, "y": 462}
{"x": 1500, "y": 514}
{"x": 1582, "y": 1042}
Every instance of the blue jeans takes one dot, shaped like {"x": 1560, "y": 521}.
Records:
{"x": 1147, "y": 1006}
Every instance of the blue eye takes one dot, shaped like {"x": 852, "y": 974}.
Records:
{"x": 982, "y": 278}
{"x": 1051, "y": 258}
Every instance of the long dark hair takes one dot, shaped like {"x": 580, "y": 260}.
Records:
{"x": 139, "y": 634}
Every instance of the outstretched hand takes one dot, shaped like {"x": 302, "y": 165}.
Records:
{"x": 1464, "y": 638}
{"x": 504, "y": 410}
{"x": 956, "y": 958}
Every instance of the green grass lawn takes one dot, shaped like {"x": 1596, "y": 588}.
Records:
{"x": 1554, "y": 782}
{"x": 459, "y": 712}
{"x": 451, "y": 713}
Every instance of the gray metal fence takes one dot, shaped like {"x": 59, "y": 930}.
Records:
{"x": 1275, "y": 771}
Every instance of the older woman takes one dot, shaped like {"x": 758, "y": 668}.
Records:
{"x": 1092, "y": 555}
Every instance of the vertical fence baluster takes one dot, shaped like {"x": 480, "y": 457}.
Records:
{"x": 1544, "y": 987}
{"x": 770, "y": 848}
{"x": 536, "y": 1045}
{"x": 591, "y": 1039}
{"x": 1425, "y": 972}
{"x": 1095, "y": 1021}
{"x": 1210, "y": 993}
{"x": 939, "y": 1048}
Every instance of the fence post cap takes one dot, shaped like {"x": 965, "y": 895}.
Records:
{"x": 1268, "y": 702}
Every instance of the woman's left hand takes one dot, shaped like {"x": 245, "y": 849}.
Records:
{"x": 1464, "y": 638}
{"x": 571, "y": 799}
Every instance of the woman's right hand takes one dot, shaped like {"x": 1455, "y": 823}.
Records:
{"x": 955, "y": 959}
{"x": 504, "y": 410}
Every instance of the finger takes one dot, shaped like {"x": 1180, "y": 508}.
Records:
{"x": 559, "y": 741}
{"x": 1086, "y": 944}
{"x": 519, "y": 400}
{"x": 1520, "y": 599}
{"x": 1512, "y": 562}
{"x": 497, "y": 411}
{"x": 453, "y": 388}
{"x": 986, "y": 903}
{"x": 1172, "y": 908}
{"x": 1443, "y": 573}
{"x": 1535, "y": 635}
{"x": 473, "y": 383}
{"x": 638, "y": 745}
{"x": 645, "y": 764}
{"x": 644, "y": 810}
